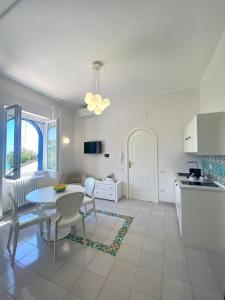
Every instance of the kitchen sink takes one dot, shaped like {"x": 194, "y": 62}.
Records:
{"x": 201, "y": 183}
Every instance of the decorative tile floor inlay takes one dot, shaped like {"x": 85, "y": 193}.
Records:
{"x": 115, "y": 246}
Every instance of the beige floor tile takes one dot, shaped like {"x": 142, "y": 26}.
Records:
{"x": 175, "y": 268}
{"x": 151, "y": 261}
{"x": 27, "y": 286}
{"x": 202, "y": 276}
{"x": 148, "y": 283}
{"x": 144, "y": 215}
{"x": 175, "y": 290}
{"x": 218, "y": 262}
{"x": 171, "y": 239}
{"x": 153, "y": 246}
{"x": 134, "y": 295}
{"x": 42, "y": 263}
{"x": 134, "y": 240}
{"x": 6, "y": 296}
{"x": 198, "y": 257}
{"x": 141, "y": 222}
{"x": 66, "y": 249}
{"x": 24, "y": 249}
{"x": 112, "y": 291}
{"x": 11, "y": 275}
{"x": 83, "y": 256}
{"x": 135, "y": 273}
{"x": 2, "y": 291}
{"x": 101, "y": 264}
{"x": 122, "y": 273}
{"x": 4, "y": 261}
{"x": 174, "y": 251}
{"x": 202, "y": 293}
{"x": 88, "y": 285}
{"x": 49, "y": 291}
{"x": 129, "y": 254}
{"x": 136, "y": 229}
{"x": 69, "y": 296}
{"x": 66, "y": 276}
{"x": 155, "y": 234}
{"x": 109, "y": 223}
{"x": 156, "y": 222}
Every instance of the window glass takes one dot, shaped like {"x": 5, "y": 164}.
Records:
{"x": 12, "y": 141}
{"x": 10, "y": 132}
{"x": 51, "y": 146}
{"x": 29, "y": 148}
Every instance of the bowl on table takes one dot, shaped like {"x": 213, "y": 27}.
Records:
{"x": 59, "y": 187}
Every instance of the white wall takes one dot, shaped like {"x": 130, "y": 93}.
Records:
{"x": 168, "y": 114}
{"x": 212, "y": 87}
{"x": 14, "y": 93}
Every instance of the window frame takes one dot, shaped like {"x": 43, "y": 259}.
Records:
{"x": 52, "y": 172}
{"x": 40, "y": 124}
{"x": 40, "y": 142}
{"x": 17, "y": 141}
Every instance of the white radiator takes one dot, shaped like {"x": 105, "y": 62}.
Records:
{"x": 21, "y": 187}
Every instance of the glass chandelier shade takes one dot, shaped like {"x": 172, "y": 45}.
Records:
{"x": 95, "y": 102}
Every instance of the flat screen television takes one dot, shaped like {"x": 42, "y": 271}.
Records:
{"x": 93, "y": 147}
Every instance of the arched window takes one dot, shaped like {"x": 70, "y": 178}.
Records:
{"x": 23, "y": 151}
{"x": 31, "y": 147}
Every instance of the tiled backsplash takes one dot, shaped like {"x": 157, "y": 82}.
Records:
{"x": 214, "y": 166}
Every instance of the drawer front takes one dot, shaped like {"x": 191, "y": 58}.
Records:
{"x": 105, "y": 194}
{"x": 106, "y": 187}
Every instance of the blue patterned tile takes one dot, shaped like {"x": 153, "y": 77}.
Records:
{"x": 214, "y": 167}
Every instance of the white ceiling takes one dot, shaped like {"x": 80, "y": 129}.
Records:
{"x": 148, "y": 46}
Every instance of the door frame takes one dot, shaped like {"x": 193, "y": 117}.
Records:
{"x": 155, "y": 140}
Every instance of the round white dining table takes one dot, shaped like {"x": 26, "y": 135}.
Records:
{"x": 46, "y": 198}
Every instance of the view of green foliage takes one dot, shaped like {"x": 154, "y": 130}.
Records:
{"x": 26, "y": 156}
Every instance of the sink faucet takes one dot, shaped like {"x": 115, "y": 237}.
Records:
{"x": 192, "y": 162}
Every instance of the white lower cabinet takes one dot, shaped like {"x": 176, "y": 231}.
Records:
{"x": 108, "y": 190}
{"x": 178, "y": 204}
{"x": 201, "y": 217}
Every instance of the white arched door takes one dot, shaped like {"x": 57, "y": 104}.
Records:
{"x": 142, "y": 165}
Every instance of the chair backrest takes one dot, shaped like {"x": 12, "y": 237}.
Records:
{"x": 14, "y": 209}
{"x": 69, "y": 205}
{"x": 89, "y": 185}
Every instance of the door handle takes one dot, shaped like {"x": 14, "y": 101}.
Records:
{"x": 130, "y": 164}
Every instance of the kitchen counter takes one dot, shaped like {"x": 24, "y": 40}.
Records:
{"x": 219, "y": 188}
{"x": 200, "y": 213}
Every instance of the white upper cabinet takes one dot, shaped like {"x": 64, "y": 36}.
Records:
{"x": 205, "y": 134}
{"x": 190, "y": 137}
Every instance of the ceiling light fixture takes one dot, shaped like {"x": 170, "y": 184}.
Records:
{"x": 95, "y": 102}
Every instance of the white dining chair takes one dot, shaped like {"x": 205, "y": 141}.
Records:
{"x": 68, "y": 214}
{"x": 19, "y": 222}
{"x": 89, "y": 185}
